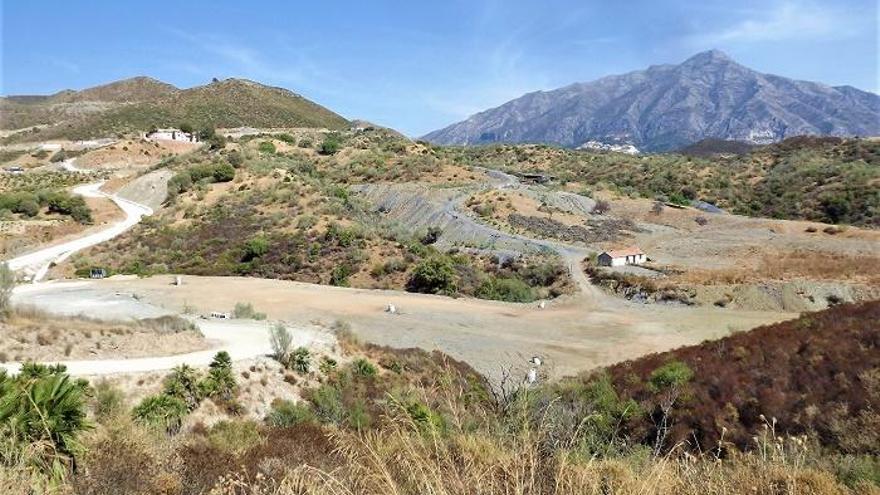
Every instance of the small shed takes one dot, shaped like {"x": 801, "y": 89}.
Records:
{"x": 620, "y": 257}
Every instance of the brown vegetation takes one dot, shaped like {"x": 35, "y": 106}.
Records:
{"x": 817, "y": 374}
{"x": 31, "y": 335}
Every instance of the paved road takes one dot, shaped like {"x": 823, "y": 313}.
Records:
{"x": 37, "y": 263}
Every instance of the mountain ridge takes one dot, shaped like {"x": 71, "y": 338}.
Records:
{"x": 666, "y": 107}
{"x": 141, "y": 102}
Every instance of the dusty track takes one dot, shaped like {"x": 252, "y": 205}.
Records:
{"x": 574, "y": 333}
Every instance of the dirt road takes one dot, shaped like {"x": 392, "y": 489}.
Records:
{"x": 37, "y": 263}
{"x": 572, "y": 334}
{"x": 242, "y": 339}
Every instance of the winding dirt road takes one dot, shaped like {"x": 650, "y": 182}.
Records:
{"x": 37, "y": 263}
{"x": 573, "y": 333}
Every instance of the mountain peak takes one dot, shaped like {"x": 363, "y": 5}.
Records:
{"x": 708, "y": 57}
{"x": 667, "y": 107}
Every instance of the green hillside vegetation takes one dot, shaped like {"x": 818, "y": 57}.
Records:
{"x": 228, "y": 103}
{"x": 830, "y": 180}
{"x": 261, "y": 212}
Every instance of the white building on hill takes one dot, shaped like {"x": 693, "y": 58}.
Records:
{"x": 171, "y": 135}
{"x": 620, "y": 257}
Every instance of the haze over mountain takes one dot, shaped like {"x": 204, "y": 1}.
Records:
{"x": 138, "y": 103}
{"x": 666, "y": 107}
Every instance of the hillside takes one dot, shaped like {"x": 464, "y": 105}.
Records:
{"x": 666, "y": 107}
{"x": 278, "y": 206}
{"x": 712, "y": 146}
{"x": 821, "y": 179}
{"x": 817, "y": 374}
{"x": 141, "y": 103}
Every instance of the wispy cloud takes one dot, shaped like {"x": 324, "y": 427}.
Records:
{"x": 243, "y": 60}
{"x": 787, "y": 20}
{"x": 64, "y": 64}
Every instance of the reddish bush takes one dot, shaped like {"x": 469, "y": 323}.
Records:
{"x": 814, "y": 374}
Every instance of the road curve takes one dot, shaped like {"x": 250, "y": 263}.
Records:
{"x": 242, "y": 339}
{"x": 37, "y": 263}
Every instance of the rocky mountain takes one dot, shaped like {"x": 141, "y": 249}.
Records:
{"x": 140, "y": 103}
{"x": 666, "y": 107}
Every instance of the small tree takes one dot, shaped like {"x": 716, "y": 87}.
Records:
{"x": 434, "y": 276}
{"x": 7, "y": 284}
{"x": 657, "y": 208}
{"x": 281, "y": 340}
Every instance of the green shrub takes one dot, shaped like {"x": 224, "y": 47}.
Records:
{"x": 235, "y": 437}
{"x": 505, "y": 289}
{"x": 220, "y": 381}
{"x": 339, "y": 275}
{"x": 44, "y": 411}
{"x": 246, "y": 311}
{"x": 285, "y": 413}
{"x": 162, "y": 411}
{"x": 670, "y": 375}
{"x": 330, "y": 145}
{"x": 424, "y": 418}
{"x": 327, "y": 402}
{"x": 300, "y": 360}
{"x": 434, "y": 275}
{"x": 267, "y": 147}
{"x": 362, "y": 367}
{"x": 67, "y": 204}
{"x": 183, "y": 384}
{"x": 255, "y": 248}
{"x": 327, "y": 365}
{"x": 235, "y": 159}
{"x": 287, "y": 138}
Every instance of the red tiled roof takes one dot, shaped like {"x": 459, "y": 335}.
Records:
{"x": 623, "y": 252}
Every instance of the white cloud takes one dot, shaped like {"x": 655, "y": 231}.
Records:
{"x": 786, "y": 20}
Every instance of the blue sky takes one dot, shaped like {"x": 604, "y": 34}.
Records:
{"x": 418, "y": 66}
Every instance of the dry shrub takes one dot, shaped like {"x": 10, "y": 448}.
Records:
{"x": 401, "y": 460}
{"x": 795, "y": 264}
{"x": 123, "y": 457}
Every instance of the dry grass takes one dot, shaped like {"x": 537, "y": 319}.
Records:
{"x": 401, "y": 460}
{"x": 813, "y": 265}
{"x": 30, "y": 334}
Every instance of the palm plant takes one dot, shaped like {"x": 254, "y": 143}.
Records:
{"x": 162, "y": 410}
{"x": 183, "y": 383}
{"x": 220, "y": 381}
{"x": 44, "y": 414}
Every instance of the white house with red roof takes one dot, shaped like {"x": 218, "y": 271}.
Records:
{"x": 620, "y": 257}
